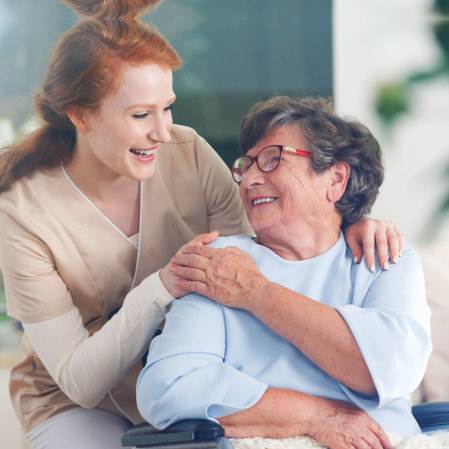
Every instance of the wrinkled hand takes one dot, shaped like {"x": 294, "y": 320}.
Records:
{"x": 341, "y": 426}
{"x": 227, "y": 275}
{"x": 368, "y": 232}
{"x": 168, "y": 277}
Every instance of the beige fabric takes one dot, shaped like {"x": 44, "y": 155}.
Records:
{"x": 435, "y": 261}
{"x": 78, "y": 363}
{"x": 58, "y": 253}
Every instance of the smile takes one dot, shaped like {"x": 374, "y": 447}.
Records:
{"x": 263, "y": 200}
{"x": 142, "y": 153}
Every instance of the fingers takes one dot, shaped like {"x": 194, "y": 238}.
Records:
{"x": 205, "y": 251}
{"x": 383, "y": 438}
{"x": 373, "y": 441}
{"x": 368, "y": 244}
{"x": 382, "y": 235}
{"x": 188, "y": 273}
{"x": 192, "y": 260}
{"x": 192, "y": 286}
{"x": 398, "y": 239}
{"x": 382, "y": 245}
{"x": 401, "y": 240}
{"x": 389, "y": 240}
{"x": 204, "y": 239}
{"x": 355, "y": 247}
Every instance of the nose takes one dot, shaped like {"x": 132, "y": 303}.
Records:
{"x": 160, "y": 127}
{"x": 253, "y": 177}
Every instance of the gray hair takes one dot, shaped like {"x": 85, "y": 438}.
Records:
{"x": 331, "y": 139}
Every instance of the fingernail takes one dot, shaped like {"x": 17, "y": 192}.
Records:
{"x": 400, "y": 254}
{"x": 372, "y": 267}
{"x": 386, "y": 266}
{"x": 395, "y": 259}
{"x": 356, "y": 259}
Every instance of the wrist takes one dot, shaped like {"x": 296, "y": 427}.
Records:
{"x": 165, "y": 288}
{"x": 260, "y": 302}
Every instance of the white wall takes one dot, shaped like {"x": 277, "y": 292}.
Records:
{"x": 375, "y": 42}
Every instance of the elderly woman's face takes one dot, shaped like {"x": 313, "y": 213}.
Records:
{"x": 292, "y": 194}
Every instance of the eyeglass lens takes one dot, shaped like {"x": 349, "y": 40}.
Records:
{"x": 267, "y": 160}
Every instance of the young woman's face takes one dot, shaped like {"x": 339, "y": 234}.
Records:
{"x": 123, "y": 137}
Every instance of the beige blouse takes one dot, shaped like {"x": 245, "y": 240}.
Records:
{"x": 58, "y": 253}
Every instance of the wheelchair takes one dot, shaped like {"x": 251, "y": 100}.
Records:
{"x": 201, "y": 434}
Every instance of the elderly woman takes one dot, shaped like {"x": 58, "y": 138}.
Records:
{"x": 308, "y": 342}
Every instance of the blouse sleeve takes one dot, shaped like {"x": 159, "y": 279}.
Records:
{"x": 84, "y": 367}
{"x": 392, "y": 331}
{"x": 185, "y": 376}
{"x": 225, "y": 208}
{"x": 28, "y": 267}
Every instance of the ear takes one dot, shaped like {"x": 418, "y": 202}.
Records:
{"x": 79, "y": 118}
{"x": 339, "y": 175}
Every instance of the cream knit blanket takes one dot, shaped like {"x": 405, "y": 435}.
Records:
{"x": 436, "y": 440}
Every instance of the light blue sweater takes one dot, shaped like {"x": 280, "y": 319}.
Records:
{"x": 212, "y": 361}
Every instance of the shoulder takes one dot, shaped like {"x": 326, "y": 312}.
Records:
{"x": 182, "y": 135}
{"x": 24, "y": 197}
{"x": 188, "y": 147}
{"x": 406, "y": 276}
{"x": 242, "y": 241}
{"x": 409, "y": 261}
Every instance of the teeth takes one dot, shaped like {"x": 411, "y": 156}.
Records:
{"x": 263, "y": 200}
{"x": 143, "y": 152}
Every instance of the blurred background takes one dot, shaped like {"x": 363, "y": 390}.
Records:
{"x": 384, "y": 62}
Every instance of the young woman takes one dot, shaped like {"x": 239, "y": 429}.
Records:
{"x": 92, "y": 205}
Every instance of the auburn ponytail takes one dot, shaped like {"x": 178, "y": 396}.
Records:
{"x": 45, "y": 148}
{"x": 112, "y": 9}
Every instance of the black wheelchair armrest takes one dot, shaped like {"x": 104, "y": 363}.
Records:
{"x": 432, "y": 416}
{"x": 191, "y": 433}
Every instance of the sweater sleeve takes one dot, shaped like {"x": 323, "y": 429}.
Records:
{"x": 186, "y": 375}
{"x": 392, "y": 331}
{"x": 86, "y": 368}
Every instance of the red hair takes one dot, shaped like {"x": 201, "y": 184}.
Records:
{"x": 85, "y": 67}
{"x": 125, "y": 9}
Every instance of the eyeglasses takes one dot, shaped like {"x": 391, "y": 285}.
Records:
{"x": 268, "y": 159}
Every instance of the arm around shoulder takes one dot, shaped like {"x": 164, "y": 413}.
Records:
{"x": 393, "y": 309}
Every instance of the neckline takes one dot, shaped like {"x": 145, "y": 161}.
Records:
{"x": 333, "y": 249}
{"x": 129, "y": 239}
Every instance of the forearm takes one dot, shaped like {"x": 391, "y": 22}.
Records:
{"x": 86, "y": 368}
{"x": 280, "y": 413}
{"x": 318, "y": 330}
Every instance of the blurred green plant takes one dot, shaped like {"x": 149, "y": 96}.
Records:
{"x": 395, "y": 98}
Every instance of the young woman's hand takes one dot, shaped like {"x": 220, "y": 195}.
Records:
{"x": 169, "y": 276}
{"x": 362, "y": 237}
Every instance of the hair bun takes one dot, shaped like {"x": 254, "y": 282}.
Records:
{"x": 112, "y": 9}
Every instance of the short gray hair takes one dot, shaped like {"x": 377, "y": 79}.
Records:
{"x": 331, "y": 139}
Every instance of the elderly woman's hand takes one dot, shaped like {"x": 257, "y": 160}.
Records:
{"x": 368, "y": 233}
{"x": 168, "y": 277}
{"x": 341, "y": 426}
{"x": 227, "y": 275}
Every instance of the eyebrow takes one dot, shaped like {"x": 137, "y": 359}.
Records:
{"x": 149, "y": 105}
